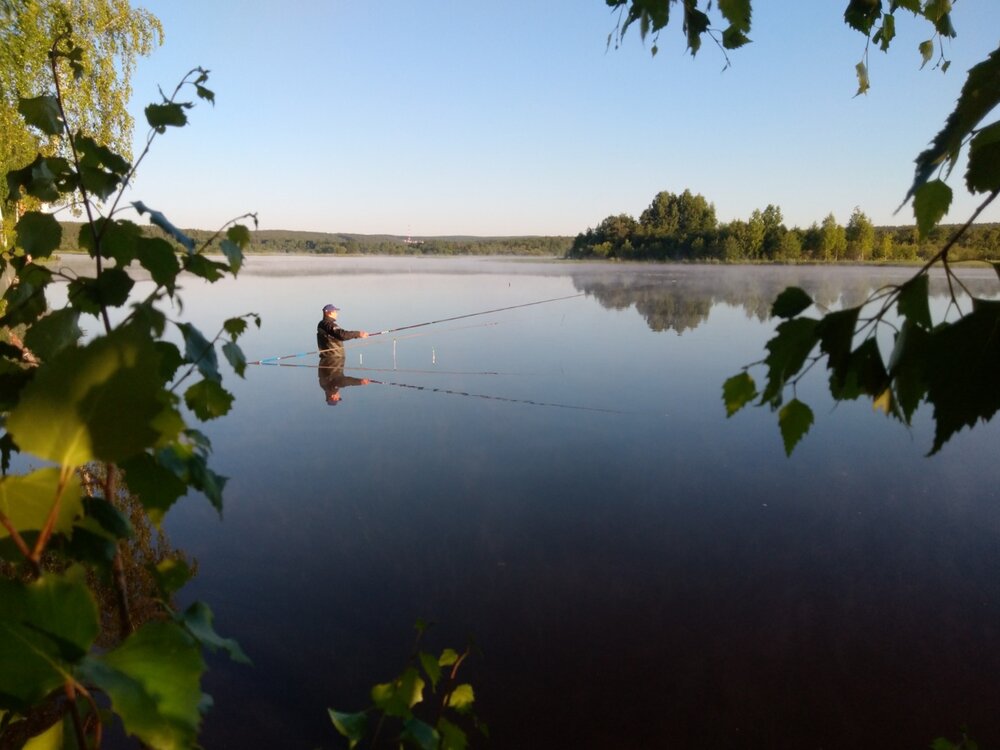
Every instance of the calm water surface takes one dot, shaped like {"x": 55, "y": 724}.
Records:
{"x": 560, "y": 484}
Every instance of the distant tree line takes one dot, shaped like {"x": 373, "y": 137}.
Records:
{"x": 684, "y": 227}
{"x": 271, "y": 241}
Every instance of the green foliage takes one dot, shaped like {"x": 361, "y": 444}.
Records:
{"x": 104, "y": 407}
{"x": 424, "y": 707}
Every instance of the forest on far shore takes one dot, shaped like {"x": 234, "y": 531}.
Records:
{"x": 675, "y": 227}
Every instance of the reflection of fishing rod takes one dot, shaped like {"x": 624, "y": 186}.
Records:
{"x": 382, "y": 369}
{"x": 270, "y": 360}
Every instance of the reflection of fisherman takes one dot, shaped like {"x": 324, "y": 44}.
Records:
{"x": 329, "y": 339}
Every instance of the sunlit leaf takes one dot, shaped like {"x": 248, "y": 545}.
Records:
{"x": 352, "y": 726}
{"x": 396, "y": 698}
{"x": 790, "y": 302}
{"x": 883, "y": 402}
{"x": 737, "y": 392}
{"x": 861, "y": 71}
{"x": 27, "y": 500}
{"x": 930, "y": 203}
{"x": 94, "y": 402}
{"x": 38, "y": 234}
{"x": 198, "y": 620}
{"x": 926, "y": 51}
{"x": 153, "y": 680}
{"x": 448, "y": 657}
{"x": 794, "y": 419}
{"x": 461, "y": 698}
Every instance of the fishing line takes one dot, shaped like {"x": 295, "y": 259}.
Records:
{"x": 269, "y": 360}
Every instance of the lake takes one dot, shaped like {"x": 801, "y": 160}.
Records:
{"x": 560, "y": 484}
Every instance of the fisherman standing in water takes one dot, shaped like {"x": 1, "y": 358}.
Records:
{"x": 330, "y": 339}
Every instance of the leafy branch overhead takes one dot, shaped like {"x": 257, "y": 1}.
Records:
{"x": 119, "y": 404}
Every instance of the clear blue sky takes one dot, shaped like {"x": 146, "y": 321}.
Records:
{"x": 490, "y": 117}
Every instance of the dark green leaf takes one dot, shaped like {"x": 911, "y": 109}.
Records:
{"x": 43, "y": 113}
{"x": 198, "y": 620}
{"x": 117, "y": 240}
{"x": 980, "y": 94}
{"x": 431, "y": 668}
{"x": 96, "y": 156}
{"x": 696, "y": 23}
{"x": 45, "y": 627}
{"x": 157, "y": 256}
{"x": 234, "y": 355}
{"x": 983, "y": 175}
{"x": 38, "y": 234}
{"x": 913, "y": 302}
{"x": 452, "y": 738}
{"x": 110, "y": 289}
{"x": 204, "y": 93}
{"x": 239, "y": 235}
{"x": 737, "y": 392}
{"x": 26, "y": 299}
{"x": 787, "y": 352}
{"x": 861, "y": 15}
{"x": 864, "y": 374}
{"x": 963, "y": 369}
{"x": 207, "y": 269}
{"x": 421, "y": 734}
{"x": 162, "y": 116}
{"x": 170, "y": 359}
{"x": 111, "y": 520}
{"x": 235, "y": 327}
{"x": 170, "y": 575}
{"x": 794, "y": 419}
{"x": 351, "y": 726}
{"x": 884, "y": 36}
{"x": 153, "y": 680}
{"x": 836, "y": 333}
{"x": 733, "y": 39}
{"x": 156, "y": 486}
{"x": 199, "y": 351}
{"x": 45, "y": 178}
{"x": 233, "y": 254}
{"x": 790, "y": 303}
{"x": 53, "y": 333}
{"x": 907, "y": 368}
{"x": 930, "y": 203}
{"x": 208, "y": 400}
{"x": 737, "y": 12}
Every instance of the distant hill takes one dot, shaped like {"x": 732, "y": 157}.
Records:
{"x": 281, "y": 241}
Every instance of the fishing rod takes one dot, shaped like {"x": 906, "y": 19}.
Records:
{"x": 269, "y": 360}
{"x": 472, "y": 315}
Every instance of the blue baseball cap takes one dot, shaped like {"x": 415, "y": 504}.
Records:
{"x": 330, "y": 308}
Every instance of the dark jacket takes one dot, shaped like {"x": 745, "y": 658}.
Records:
{"x": 329, "y": 335}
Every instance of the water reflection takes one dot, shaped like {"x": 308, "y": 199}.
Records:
{"x": 680, "y": 299}
{"x": 331, "y": 375}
